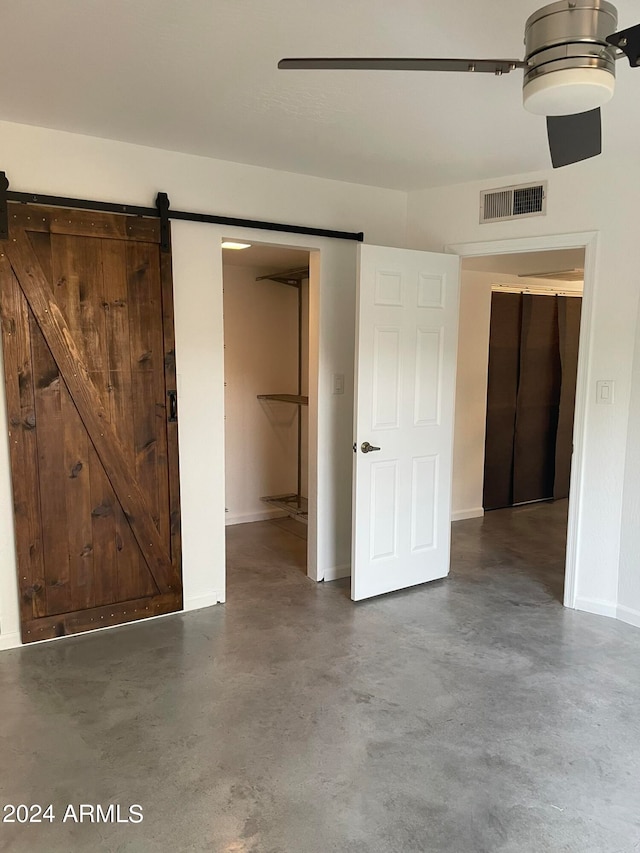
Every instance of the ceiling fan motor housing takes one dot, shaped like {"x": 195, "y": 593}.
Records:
{"x": 570, "y": 66}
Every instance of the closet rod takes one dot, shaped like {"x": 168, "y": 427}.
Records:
{"x": 299, "y": 487}
{"x": 293, "y": 278}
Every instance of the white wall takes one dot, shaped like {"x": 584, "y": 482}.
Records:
{"x": 260, "y": 357}
{"x": 471, "y": 394}
{"x": 593, "y": 196}
{"x": 629, "y": 582}
{"x": 52, "y": 162}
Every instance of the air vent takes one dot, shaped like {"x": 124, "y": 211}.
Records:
{"x": 513, "y": 202}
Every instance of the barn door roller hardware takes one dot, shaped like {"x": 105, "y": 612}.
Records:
{"x": 161, "y": 210}
{"x": 162, "y": 203}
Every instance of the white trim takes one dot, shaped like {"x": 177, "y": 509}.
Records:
{"x": 10, "y": 641}
{"x": 337, "y": 572}
{"x": 463, "y": 514}
{"x": 216, "y": 596}
{"x": 628, "y": 615}
{"x": 315, "y": 246}
{"x": 247, "y": 517}
{"x": 587, "y": 240}
{"x": 597, "y": 606}
{"x": 523, "y": 244}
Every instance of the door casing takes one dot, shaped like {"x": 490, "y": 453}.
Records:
{"x": 587, "y": 240}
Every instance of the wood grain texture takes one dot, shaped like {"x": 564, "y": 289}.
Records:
{"x": 48, "y": 391}
{"x": 80, "y": 536}
{"x": 170, "y": 377}
{"x": 106, "y": 616}
{"x": 64, "y": 350}
{"x": 133, "y": 578}
{"x": 83, "y": 223}
{"x": 145, "y": 346}
{"x": 94, "y": 463}
{"x": 23, "y": 446}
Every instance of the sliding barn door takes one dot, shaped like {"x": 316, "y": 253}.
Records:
{"x": 87, "y": 332}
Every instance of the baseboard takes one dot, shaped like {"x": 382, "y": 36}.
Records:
{"x": 10, "y": 640}
{"x": 628, "y": 615}
{"x": 462, "y": 514}
{"x": 248, "y": 517}
{"x": 337, "y": 572}
{"x": 597, "y": 606}
{"x": 197, "y": 602}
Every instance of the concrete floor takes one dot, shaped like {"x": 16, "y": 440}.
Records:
{"x": 474, "y": 714}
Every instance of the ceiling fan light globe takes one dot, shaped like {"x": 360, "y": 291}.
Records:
{"x": 568, "y": 91}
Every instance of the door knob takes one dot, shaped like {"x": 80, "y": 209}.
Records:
{"x": 368, "y": 448}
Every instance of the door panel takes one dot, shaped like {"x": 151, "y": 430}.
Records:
{"x": 87, "y": 320}
{"x": 405, "y": 382}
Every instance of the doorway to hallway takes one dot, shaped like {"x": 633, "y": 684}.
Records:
{"x": 516, "y": 391}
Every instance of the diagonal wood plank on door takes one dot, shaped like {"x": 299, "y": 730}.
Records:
{"x": 59, "y": 338}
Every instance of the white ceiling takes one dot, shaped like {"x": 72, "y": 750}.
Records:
{"x": 200, "y": 76}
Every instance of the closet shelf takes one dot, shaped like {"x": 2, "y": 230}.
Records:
{"x": 295, "y": 505}
{"x": 298, "y": 399}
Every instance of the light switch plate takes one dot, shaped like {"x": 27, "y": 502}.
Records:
{"x": 604, "y": 391}
{"x": 338, "y": 383}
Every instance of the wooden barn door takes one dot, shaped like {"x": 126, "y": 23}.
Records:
{"x": 87, "y": 330}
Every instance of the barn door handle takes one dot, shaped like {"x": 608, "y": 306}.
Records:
{"x": 173, "y": 406}
{"x": 365, "y": 447}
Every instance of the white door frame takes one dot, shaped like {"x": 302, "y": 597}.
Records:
{"x": 587, "y": 240}
{"x": 266, "y": 238}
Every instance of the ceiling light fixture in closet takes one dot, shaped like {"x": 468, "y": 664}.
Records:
{"x": 230, "y": 244}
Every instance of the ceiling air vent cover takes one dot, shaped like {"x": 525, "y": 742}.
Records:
{"x": 513, "y": 202}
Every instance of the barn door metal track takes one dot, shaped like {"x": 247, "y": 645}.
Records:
{"x": 161, "y": 210}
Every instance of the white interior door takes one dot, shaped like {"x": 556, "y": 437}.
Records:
{"x": 406, "y": 345}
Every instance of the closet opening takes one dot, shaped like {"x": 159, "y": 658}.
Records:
{"x": 515, "y": 402}
{"x": 266, "y": 377}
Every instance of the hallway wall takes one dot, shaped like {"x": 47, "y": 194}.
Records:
{"x": 589, "y": 196}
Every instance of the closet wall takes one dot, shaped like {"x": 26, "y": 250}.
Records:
{"x": 260, "y": 333}
{"x": 533, "y": 356}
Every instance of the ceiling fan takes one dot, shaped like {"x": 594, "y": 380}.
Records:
{"x": 569, "y": 70}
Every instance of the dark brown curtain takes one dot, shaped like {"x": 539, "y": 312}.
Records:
{"x": 569, "y": 310}
{"x": 502, "y": 393}
{"x": 538, "y": 401}
{"x": 533, "y": 357}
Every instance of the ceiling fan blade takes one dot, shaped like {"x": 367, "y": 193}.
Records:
{"x": 488, "y": 66}
{"x": 628, "y": 41}
{"x": 574, "y": 138}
